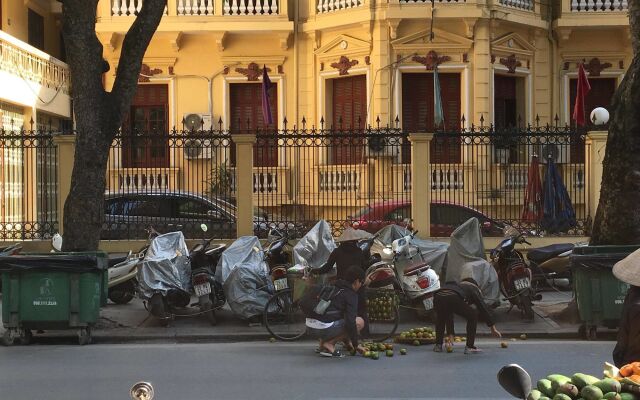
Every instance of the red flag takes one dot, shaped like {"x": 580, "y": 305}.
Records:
{"x": 581, "y": 94}
{"x": 532, "y": 210}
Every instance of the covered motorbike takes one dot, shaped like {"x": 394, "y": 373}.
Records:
{"x": 466, "y": 259}
{"x": 244, "y": 276}
{"x": 164, "y": 275}
{"x": 315, "y": 247}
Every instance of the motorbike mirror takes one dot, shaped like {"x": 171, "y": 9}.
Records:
{"x": 142, "y": 391}
{"x": 56, "y": 242}
{"x": 203, "y": 227}
{"x": 515, "y": 380}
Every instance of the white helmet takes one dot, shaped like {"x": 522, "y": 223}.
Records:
{"x": 432, "y": 281}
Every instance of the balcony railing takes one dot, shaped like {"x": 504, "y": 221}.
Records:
{"x": 129, "y": 7}
{"x": 195, "y": 7}
{"x": 326, "y": 6}
{"x": 521, "y": 4}
{"x": 141, "y": 179}
{"x": 267, "y": 181}
{"x": 250, "y": 7}
{"x": 598, "y": 5}
{"x": 21, "y": 59}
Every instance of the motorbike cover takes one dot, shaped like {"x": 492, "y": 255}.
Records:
{"x": 315, "y": 247}
{"x": 246, "y": 250}
{"x": 466, "y": 259}
{"x": 165, "y": 266}
{"x": 248, "y": 289}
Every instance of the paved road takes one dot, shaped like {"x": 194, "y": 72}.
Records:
{"x": 262, "y": 370}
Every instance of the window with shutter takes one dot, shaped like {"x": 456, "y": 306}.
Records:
{"x": 147, "y": 116}
{"x": 600, "y": 95}
{"x": 35, "y": 24}
{"x": 246, "y": 116}
{"x": 505, "y": 101}
{"x": 349, "y": 106}
{"x": 418, "y": 113}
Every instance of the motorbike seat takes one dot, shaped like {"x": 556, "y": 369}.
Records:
{"x": 117, "y": 260}
{"x": 545, "y": 253}
{"x": 414, "y": 269}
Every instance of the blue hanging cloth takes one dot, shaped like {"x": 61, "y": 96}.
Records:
{"x": 558, "y": 213}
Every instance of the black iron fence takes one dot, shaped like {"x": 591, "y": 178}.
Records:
{"x": 177, "y": 180}
{"x": 346, "y": 176}
{"x": 502, "y": 176}
{"x": 28, "y": 185}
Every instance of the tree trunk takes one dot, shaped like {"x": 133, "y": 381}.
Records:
{"x": 98, "y": 114}
{"x": 617, "y": 220}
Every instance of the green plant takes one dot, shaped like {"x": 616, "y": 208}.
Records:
{"x": 220, "y": 182}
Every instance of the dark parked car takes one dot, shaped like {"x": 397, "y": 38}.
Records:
{"x": 128, "y": 215}
{"x": 445, "y": 217}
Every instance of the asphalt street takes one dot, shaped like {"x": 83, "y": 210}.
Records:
{"x": 263, "y": 370}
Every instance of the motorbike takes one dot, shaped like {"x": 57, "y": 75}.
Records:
{"x": 278, "y": 258}
{"x": 121, "y": 272}
{"x": 551, "y": 264}
{"x": 514, "y": 274}
{"x": 402, "y": 266}
{"x": 204, "y": 260}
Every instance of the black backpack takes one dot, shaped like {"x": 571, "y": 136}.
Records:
{"x": 316, "y": 300}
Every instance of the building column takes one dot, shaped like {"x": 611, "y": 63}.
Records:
{"x": 596, "y": 145}
{"x": 420, "y": 182}
{"x": 66, "y": 153}
{"x": 380, "y": 58}
{"x": 482, "y": 104}
{"x": 244, "y": 183}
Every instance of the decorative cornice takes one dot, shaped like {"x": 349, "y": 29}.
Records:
{"x": 595, "y": 67}
{"x": 432, "y": 60}
{"x": 146, "y": 72}
{"x": 252, "y": 72}
{"x": 344, "y": 65}
{"x": 511, "y": 63}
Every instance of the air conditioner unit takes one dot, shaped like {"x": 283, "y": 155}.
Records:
{"x": 378, "y": 146}
{"x": 197, "y": 148}
{"x": 561, "y": 154}
{"x": 197, "y": 122}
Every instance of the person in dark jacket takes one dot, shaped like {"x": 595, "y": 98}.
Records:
{"x": 627, "y": 348}
{"x": 457, "y": 298}
{"x": 340, "y": 322}
{"x": 347, "y": 254}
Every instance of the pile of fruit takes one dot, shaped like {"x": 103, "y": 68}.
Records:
{"x": 381, "y": 304}
{"x": 580, "y": 386}
{"x": 374, "y": 350}
{"x": 424, "y": 335}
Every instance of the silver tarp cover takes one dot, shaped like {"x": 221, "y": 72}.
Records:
{"x": 434, "y": 253}
{"x": 165, "y": 266}
{"x": 246, "y": 250}
{"x": 314, "y": 248}
{"x": 466, "y": 259}
{"x": 248, "y": 289}
{"x": 244, "y": 276}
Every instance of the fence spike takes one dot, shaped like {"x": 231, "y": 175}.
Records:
{"x": 537, "y": 120}
{"x": 360, "y": 121}
{"x": 378, "y": 121}
{"x": 220, "y": 123}
{"x": 322, "y": 123}
{"x": 557, "y": 120}
{"x": 481, "y": 121}
{"x": 304, "y": 122}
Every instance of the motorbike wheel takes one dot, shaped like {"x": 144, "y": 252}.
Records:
{"x": 157, "y": 309}
{"x": 122, "y": 293}
{"x": 526, "y": 306}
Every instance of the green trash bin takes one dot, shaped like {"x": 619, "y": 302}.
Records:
{"x": 598, "y": 293}
{"x": 52, "y": 291}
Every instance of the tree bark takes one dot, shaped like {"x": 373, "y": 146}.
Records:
{"x": 617, "y": 219}
{"x": 98, "y": 114}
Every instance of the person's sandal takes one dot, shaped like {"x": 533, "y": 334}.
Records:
{"x": 336, "y": 353}
{"x": 472, "y": 350}
{"x": 437, "y": 348}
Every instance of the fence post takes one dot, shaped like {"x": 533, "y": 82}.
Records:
{"x": 421, "y": 182}
{"x": 244, "y": 182}
{"x": 596, "y": 144}
{"x": 66, "y": 153}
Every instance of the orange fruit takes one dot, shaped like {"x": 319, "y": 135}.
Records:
{"x": 626, "y": 370}
{"x": 635, "y": 378}
{"x": 636, "y": 368}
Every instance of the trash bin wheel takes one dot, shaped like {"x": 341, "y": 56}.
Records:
{"x": 588, "y": 332}
{"x": 27, "y": 337}
{"x": 9, "y": 336}
{"x": 84, "y": 336}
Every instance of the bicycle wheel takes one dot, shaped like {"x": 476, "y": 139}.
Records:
{"x": 383, "y": 329}
{"x": 283, "y": 318}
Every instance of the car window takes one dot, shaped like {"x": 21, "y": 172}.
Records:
{"x": 399, "y": 214}
{"x": 147, "y": 207}
{"x": 113, "y": 206}
{"x": 191, "y": 208}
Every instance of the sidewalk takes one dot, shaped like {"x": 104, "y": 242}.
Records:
{"x": 131, "y": 323}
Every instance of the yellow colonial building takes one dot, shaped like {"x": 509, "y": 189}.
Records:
{"x": 340, "y": 66}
